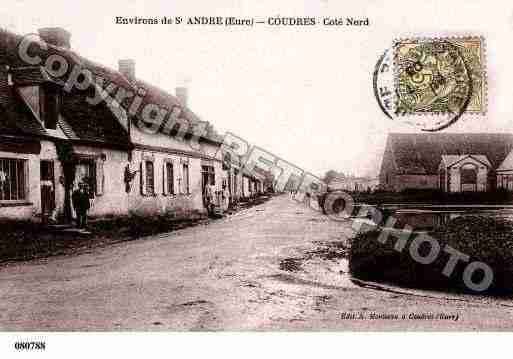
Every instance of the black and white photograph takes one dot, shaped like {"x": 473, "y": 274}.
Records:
{"x": 270, "y": 174}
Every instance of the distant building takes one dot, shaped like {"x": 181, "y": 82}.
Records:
{"x": 505, "y": 173}
{"x": 452, "y": 162}
{"x": 460, "y": 173}
{"x": 354, "y": 183}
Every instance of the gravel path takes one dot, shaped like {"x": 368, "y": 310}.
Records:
{"x": 276, "y": 266}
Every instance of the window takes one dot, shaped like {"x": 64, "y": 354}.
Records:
{"x": 85, "y": 172}
{"x": 235, "y": 176}
{"x": 12, "y": 179}
{"x": 208, "y": 175}
{"x": 169, "y": 179}
{"x": 227, "y": 159}
{"x": 185, "y": 175}
{"x": 150, "y": 178}
{"x": 89, "y": 170}
{"x": 468, "y": 177}
{"x": 49, "y": 106}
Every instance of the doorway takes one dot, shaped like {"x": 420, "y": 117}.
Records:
{"x": 47, "y": 181}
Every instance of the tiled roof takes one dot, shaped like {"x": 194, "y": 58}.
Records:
{"x": 88, "y": 122}
{"x": 66, "y": 128}
{"x": 82, "y": 121}
{"x": 16, "y": 118}
{"x": 29, "y": 75}
{"x": 412, "y": 151}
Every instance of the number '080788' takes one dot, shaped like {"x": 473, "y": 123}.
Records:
{"x": 30, "y": 345}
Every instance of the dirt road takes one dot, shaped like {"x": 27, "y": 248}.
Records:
{"x": 270, "y": 267}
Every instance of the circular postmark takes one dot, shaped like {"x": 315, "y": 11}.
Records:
{"x": 426, "y": 83}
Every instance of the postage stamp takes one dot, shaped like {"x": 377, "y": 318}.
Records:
{"x": 439, "y": 76}
{"x": 441, "y": 79}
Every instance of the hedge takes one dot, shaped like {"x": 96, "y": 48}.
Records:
{"x": 484, "y": 239}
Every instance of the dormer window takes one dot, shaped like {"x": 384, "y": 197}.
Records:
{"x": 49, "y": 105}
{"x": 40, "y": 92}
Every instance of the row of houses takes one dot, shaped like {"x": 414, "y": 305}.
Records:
{"x": 52, "y": 138}
{"x": 355, "y": 183}
{"x": 451, "y": 162}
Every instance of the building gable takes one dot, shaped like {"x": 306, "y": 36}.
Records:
{"x": 409, "y": 150}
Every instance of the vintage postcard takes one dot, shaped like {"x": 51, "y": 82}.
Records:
{"x": 254, "y": 167}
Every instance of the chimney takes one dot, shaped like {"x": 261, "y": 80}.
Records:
{"x": 55, "y": 36}
{"x": 181, "y": 94}
{"x": 127, "y": 68}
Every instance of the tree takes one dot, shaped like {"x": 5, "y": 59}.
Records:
{"x": 330, "y": 175}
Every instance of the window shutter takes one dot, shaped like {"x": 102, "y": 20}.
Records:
{"x": 100, "y": 178}
{"x": 173, "y": 183}
{"x": 164, "y": 178}
{"x": 142, "y": 174}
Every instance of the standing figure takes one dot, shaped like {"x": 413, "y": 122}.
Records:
{"x": 225, "y": 195}
{"x": 307, "y": 198}
{"x": 209, "y": 198}
{"x": 80, "y": 199}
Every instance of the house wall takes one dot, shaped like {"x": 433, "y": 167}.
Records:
{"x": 505, "y": 180}
{"x": 113, "y": 199}
{"x": 387, "y": 170}
{"x": 237, "y": 184}
{"x": 246, "y": 184}
{"x": 141, "y": 203}
{"x": 160, "y": 148}
{"x": 482, "y": 179}
{"x": 454, "y": 180}
{"x": 26, "y": 209}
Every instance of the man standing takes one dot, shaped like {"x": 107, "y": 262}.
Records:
{"x": 307, "y": 198}
{"x": 80, "y": 199}
{"x": 209, "y": 198}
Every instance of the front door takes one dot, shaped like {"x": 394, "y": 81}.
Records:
{"x": 468, "y": 173}
{"x": 47, "y": 179}
{"x": 207, "y": 178}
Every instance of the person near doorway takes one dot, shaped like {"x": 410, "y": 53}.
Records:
{"x": 80, "y": 199}
{"x": 209, "y": 198}
{"x": 307, "y": 198}
{"x": 225, "y": 195}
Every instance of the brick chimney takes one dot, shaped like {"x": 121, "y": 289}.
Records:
{"x": 55, "y": 36}
{"x": 127, "y": 68}
{"x": 181, "y": 94}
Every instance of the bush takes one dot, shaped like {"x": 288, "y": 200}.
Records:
{"x": 485, "y": 239}
{"x": 435, "y": 196}
{"x": 422, "y": 192}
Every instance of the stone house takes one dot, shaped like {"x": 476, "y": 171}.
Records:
{"x": 464, "y": 173}
{"x": 452, "y": 162}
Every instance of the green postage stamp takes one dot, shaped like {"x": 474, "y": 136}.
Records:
{"x": 439, "y": 76}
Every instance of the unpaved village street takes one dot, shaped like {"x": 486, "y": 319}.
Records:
{"x": 264, "y": 268}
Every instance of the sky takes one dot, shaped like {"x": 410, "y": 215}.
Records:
{"x": 303, "y": 93}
